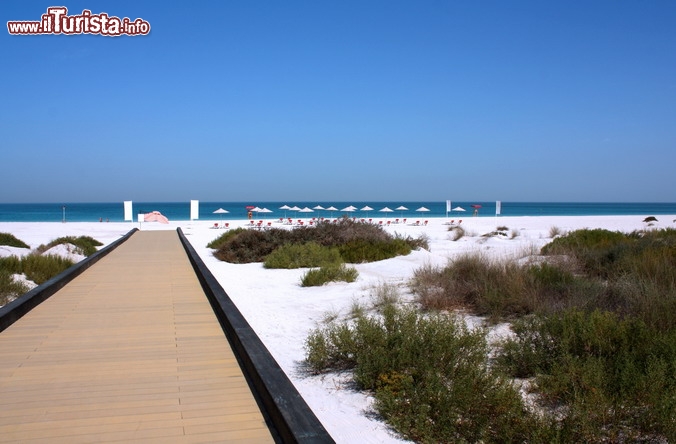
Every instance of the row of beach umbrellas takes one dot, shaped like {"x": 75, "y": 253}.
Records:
{"x": 347, "y": 209}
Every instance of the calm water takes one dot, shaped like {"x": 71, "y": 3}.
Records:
{"x": 180, "y": 211}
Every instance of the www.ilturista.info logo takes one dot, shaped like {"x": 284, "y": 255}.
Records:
{"x": 57, "y": 21}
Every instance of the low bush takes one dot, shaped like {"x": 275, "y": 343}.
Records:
{"x": 385, "y": 295}
{"x": 308, "y": 255}
{"x": 223, "y": 238}
{"x": 635, "y": 272}
{"x": 486, "y": 287}
{"x": 11, "y": 264}
{"x": 364, "y": 250}
{"x": 554, "y": 231}
{"x": 248, "y": 246}
{"x": 11, "y": 241}
{"x": 616, "y": 376}
{"x": 84, "y": 245}
{"x": 357, "y": 241}
{"x": 457, "y": 232}
{"x": 429, "y": 376}
{"x": 10, "y": 289}
{"x": 39, "y": 268}
{"x": 595, "y": 249}
{"x": 329, "y": 273}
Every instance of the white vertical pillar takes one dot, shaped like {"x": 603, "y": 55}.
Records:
{"x": 128, "y": 214}
{"x": 194, "y": 209}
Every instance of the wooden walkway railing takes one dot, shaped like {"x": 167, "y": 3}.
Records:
{"x": 129, "y": 351}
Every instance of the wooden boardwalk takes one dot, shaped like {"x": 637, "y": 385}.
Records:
{"x": 129, "y": 351}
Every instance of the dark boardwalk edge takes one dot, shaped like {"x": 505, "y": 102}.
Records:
{"x": 13, "y": 311}
{"x": 291, "y": 417}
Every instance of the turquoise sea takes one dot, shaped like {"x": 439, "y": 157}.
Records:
{"x": 180, "y": 211}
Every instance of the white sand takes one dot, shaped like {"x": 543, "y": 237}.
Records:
{"x": 282, "y": 313}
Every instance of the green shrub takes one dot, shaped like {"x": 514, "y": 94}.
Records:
{"x": 329, "y": 273}
{"x": 11, "y": 264}
{"x": 246, "y": 245}
{"x": 359, "y": 250}
{"x": 385, "y": 295}
{"x": 84, "y": 245}
{"x": 473, "y": 281}
{"x": 596, "y": 249}
{"x": 9, "y": 289}
{"x": 581, "y": 240}
{"x": 617, "y": 377}
{"x": 11, "y": 241}
{"x": 223, "y": 238}
{"x": 358, "y": 241}
{"x": 39, "y": 268}
{"x": 429, "y": 374}
{"x": 631, "y": 274}
{"x": 310, "y": 254}
{"x": 345, "y": 230}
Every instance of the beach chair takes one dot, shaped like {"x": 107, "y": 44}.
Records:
{"x": 215, "y": 225}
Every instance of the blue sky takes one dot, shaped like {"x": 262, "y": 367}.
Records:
{"x": 343, "y": 100}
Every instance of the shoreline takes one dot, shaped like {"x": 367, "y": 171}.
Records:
{"x": 180, "y": 211}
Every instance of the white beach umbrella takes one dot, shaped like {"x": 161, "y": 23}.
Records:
{"x": 386, "y": 210}
{"x": 265, "y": 210}
{"x": 255, "y": 210}
{"x": 221, "y": 211}
{"x": 458, "y": 209}
{"x": 367, "y": 209}
{"x": 306, "y": 210}
{"x": 295, "y": 208}
{"x": 285, "y": 207}
{"x": 402, "y": 209}
{"x": 318, "y": 207}
{"x": 332, "y": 209}
{"x": 423, "y": 210}
{"x": 349, "y": 209}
